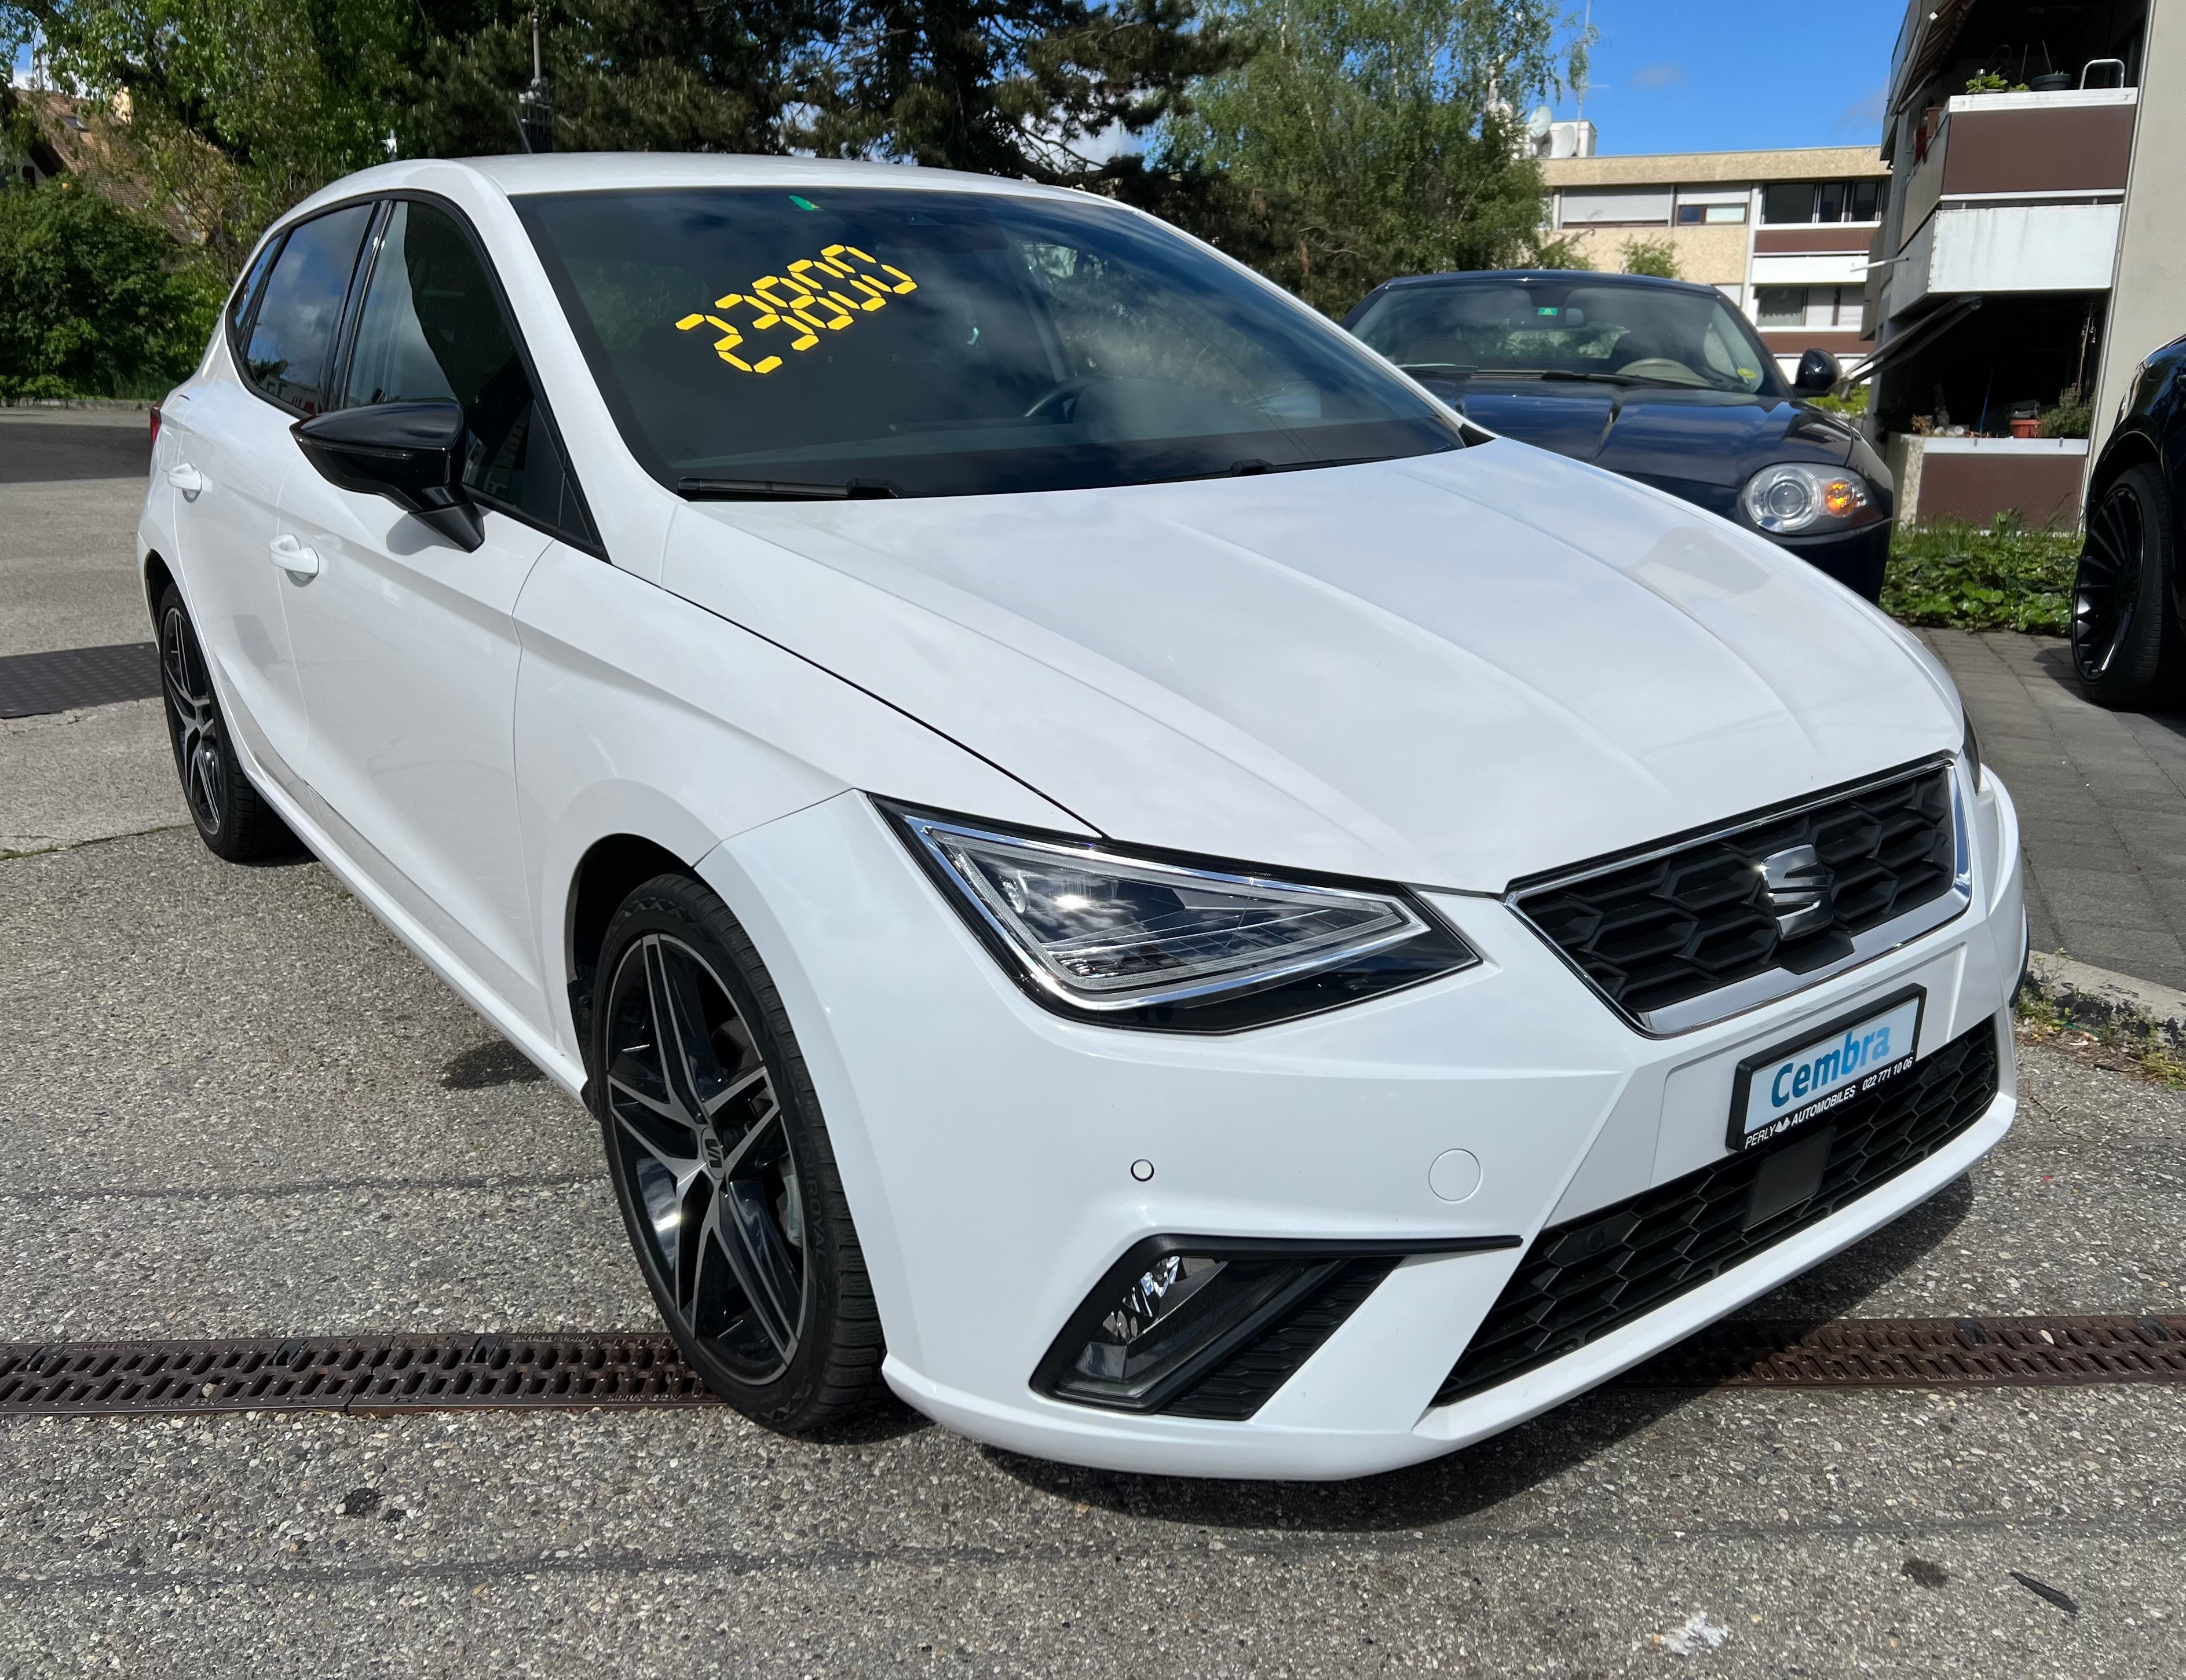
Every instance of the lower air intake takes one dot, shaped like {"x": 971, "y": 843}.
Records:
{"x": 1581, "y": 1279}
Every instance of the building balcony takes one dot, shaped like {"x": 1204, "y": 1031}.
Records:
{"x": 2014, "y": 193}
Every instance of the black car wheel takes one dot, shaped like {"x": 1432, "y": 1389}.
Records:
{"x": 2126, "y": 643}
{"x": 723, "y": 1166}
{"x": 231, "y": 817}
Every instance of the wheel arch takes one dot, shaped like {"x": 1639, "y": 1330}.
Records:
{"x": 612, "y": 867}
{"x": 2124, "y": 451}
{"x": 159, "y": 578}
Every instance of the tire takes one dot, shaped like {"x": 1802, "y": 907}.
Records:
{"x": 233, "y": 819}
{"x": 722, "y": 1163}
{"x": 2126, "y": 640}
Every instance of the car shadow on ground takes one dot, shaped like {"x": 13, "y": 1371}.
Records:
{"x": 1477, "y": 1478}
{"x": 2056, "y": 662}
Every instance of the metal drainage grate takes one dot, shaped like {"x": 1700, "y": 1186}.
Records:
{"x": 1922, "y": 1353}
{"x": 350, "y": 1373}
{"x": 34, "y": 684}
{"x": 455, "y": 1373}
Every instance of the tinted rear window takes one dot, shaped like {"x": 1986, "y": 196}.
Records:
{"x": 294, "y": 333}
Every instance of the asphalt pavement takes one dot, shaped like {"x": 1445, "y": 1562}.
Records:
{"x": 234, "y": 1104}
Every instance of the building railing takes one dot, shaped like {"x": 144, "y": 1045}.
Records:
{"x": 2001, "y": 148}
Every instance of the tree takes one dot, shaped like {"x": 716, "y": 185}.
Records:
{"x": 94, "y": 301}
{"x": 1035, "y": 88}
{"x": 1657, "y": 256}
{"x": 1368, "y": 138}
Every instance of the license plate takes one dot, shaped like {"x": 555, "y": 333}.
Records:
{"x": 1819, "y": 1073}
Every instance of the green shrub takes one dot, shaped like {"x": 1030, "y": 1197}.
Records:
{"x": 2005, "y": 577}
{"x": 94, "y": 301}
{"x": 1657, "y": 257}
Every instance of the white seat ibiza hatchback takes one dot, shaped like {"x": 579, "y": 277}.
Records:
{"x": 1098, "y": 855}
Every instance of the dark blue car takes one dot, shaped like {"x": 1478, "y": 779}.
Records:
{"x": 2129, "y": 596}
{"x": 1662, "y": 381}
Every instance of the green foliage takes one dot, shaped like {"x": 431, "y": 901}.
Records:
{"x": 94, "y": 301}
{"x": 1367, "y": 138}
{"x": 1657, "y": 257}
{"x": 1853, "y": 405}
{"x": 1988, "y": 82}
{"x": 2071, "y": 418}
{"x": 2003, "y": 577}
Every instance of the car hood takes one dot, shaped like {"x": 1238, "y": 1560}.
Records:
{"x": 1453, "y": 671}
{"x": 1700, "y": 437}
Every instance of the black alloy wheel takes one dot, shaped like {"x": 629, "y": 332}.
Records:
{"x": 232, "y": 819}
{"x": 2126, "y": 641}
{"x": 723, "y": 1166}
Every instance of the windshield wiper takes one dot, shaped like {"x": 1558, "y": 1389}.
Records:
{"x": 1252, "y": 466}
{"x": 1624, "y": 379}
{"x": 782, "y": 489}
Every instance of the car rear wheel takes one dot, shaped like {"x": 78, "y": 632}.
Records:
{"x": 232, "y": 819}
{"x": 723, "y": 1165}
{"x": 2126, "y": 645}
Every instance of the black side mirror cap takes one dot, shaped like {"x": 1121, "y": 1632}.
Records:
{"x": 410, "y": 452}
{"x": 1817, "y": 374}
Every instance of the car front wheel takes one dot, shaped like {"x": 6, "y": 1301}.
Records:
{"x": 2126, "y": 646}
{"x": 723, "y": 1165}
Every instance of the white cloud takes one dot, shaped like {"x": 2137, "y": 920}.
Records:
{"x": 1864, "y": 117}
{"x": 1658, "y": 76}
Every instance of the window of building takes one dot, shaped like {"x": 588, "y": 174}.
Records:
{"x": 1812, "y": 201}
{"x": 1780, "y": 305}
{"x": 1831, "y": 306}
{"x": 1691, "y": 214}
{"x": 1626, "y": 206}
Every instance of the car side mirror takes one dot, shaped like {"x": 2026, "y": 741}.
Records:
{"x": 410, "y": 452}
{"x": 1817, "y": 374}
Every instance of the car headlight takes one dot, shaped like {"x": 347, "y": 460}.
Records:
{"x": 1793, "y": 497}
{"x": 1139, "y": 940}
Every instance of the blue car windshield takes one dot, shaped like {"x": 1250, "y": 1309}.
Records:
{"x": 755, "y": 341}
{"x": 1637, "y": 334}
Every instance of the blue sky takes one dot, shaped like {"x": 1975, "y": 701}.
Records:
{"x": 1714, "y": 76}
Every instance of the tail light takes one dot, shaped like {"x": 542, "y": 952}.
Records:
{"x": 155, "y": 422}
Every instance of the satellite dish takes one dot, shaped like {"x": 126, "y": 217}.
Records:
{"x": 1537, "y": 123}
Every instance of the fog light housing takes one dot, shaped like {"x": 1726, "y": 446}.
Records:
{"x": 1174, "y": 1312}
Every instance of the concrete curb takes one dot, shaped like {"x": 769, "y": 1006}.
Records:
{"x": 2095, "y": 997}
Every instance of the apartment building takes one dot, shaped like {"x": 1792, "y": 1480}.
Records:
{"x": 1784, "y": 234}
{"x": 2012, "y": 136}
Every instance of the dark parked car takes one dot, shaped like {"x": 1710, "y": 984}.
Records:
{"x": 1662, "y": 381}
{"x": 2129, "y": 598}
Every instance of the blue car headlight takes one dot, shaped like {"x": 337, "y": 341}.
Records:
{"x": 1793, "y": 498}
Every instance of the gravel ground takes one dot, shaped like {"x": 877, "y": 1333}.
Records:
{"x": 236, "y": 1106}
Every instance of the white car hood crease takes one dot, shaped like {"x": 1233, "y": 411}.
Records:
{"x": 1454, "y": 670}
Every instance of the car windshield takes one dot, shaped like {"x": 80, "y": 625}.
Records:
{"x": 755, "y": 341}
{"x": 1580, "y": 328}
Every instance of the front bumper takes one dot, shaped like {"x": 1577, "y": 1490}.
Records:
{"x": 987, "y": 1147}
{"x": 1857, "y": 559}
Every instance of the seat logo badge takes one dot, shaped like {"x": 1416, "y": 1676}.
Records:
{"x": 1800, "y": 891}
{"x": 713, "y": 1148}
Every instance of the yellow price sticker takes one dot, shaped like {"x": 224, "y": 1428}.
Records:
{"x": 812, "y": 296}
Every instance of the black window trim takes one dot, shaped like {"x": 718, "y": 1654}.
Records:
{"x": 246, "y": 327}
{"x": 345, "y": 341}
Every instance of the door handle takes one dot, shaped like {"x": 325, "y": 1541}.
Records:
{"x": 185, "y": 478}
{"x": 292, "y": 557}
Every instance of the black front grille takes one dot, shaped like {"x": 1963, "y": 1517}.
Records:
{"x": 1582, "y": 1279}
{"x": 1697, "y": 918}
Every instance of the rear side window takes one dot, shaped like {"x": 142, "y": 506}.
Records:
{"x": 245, "y": 294}
{"x": 293, "y": 334}
{"x": 432, "y": 329}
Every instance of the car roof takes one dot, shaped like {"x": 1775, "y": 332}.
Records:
{"x": 521, "y": 175}
{"x": 1537, "y": 276}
